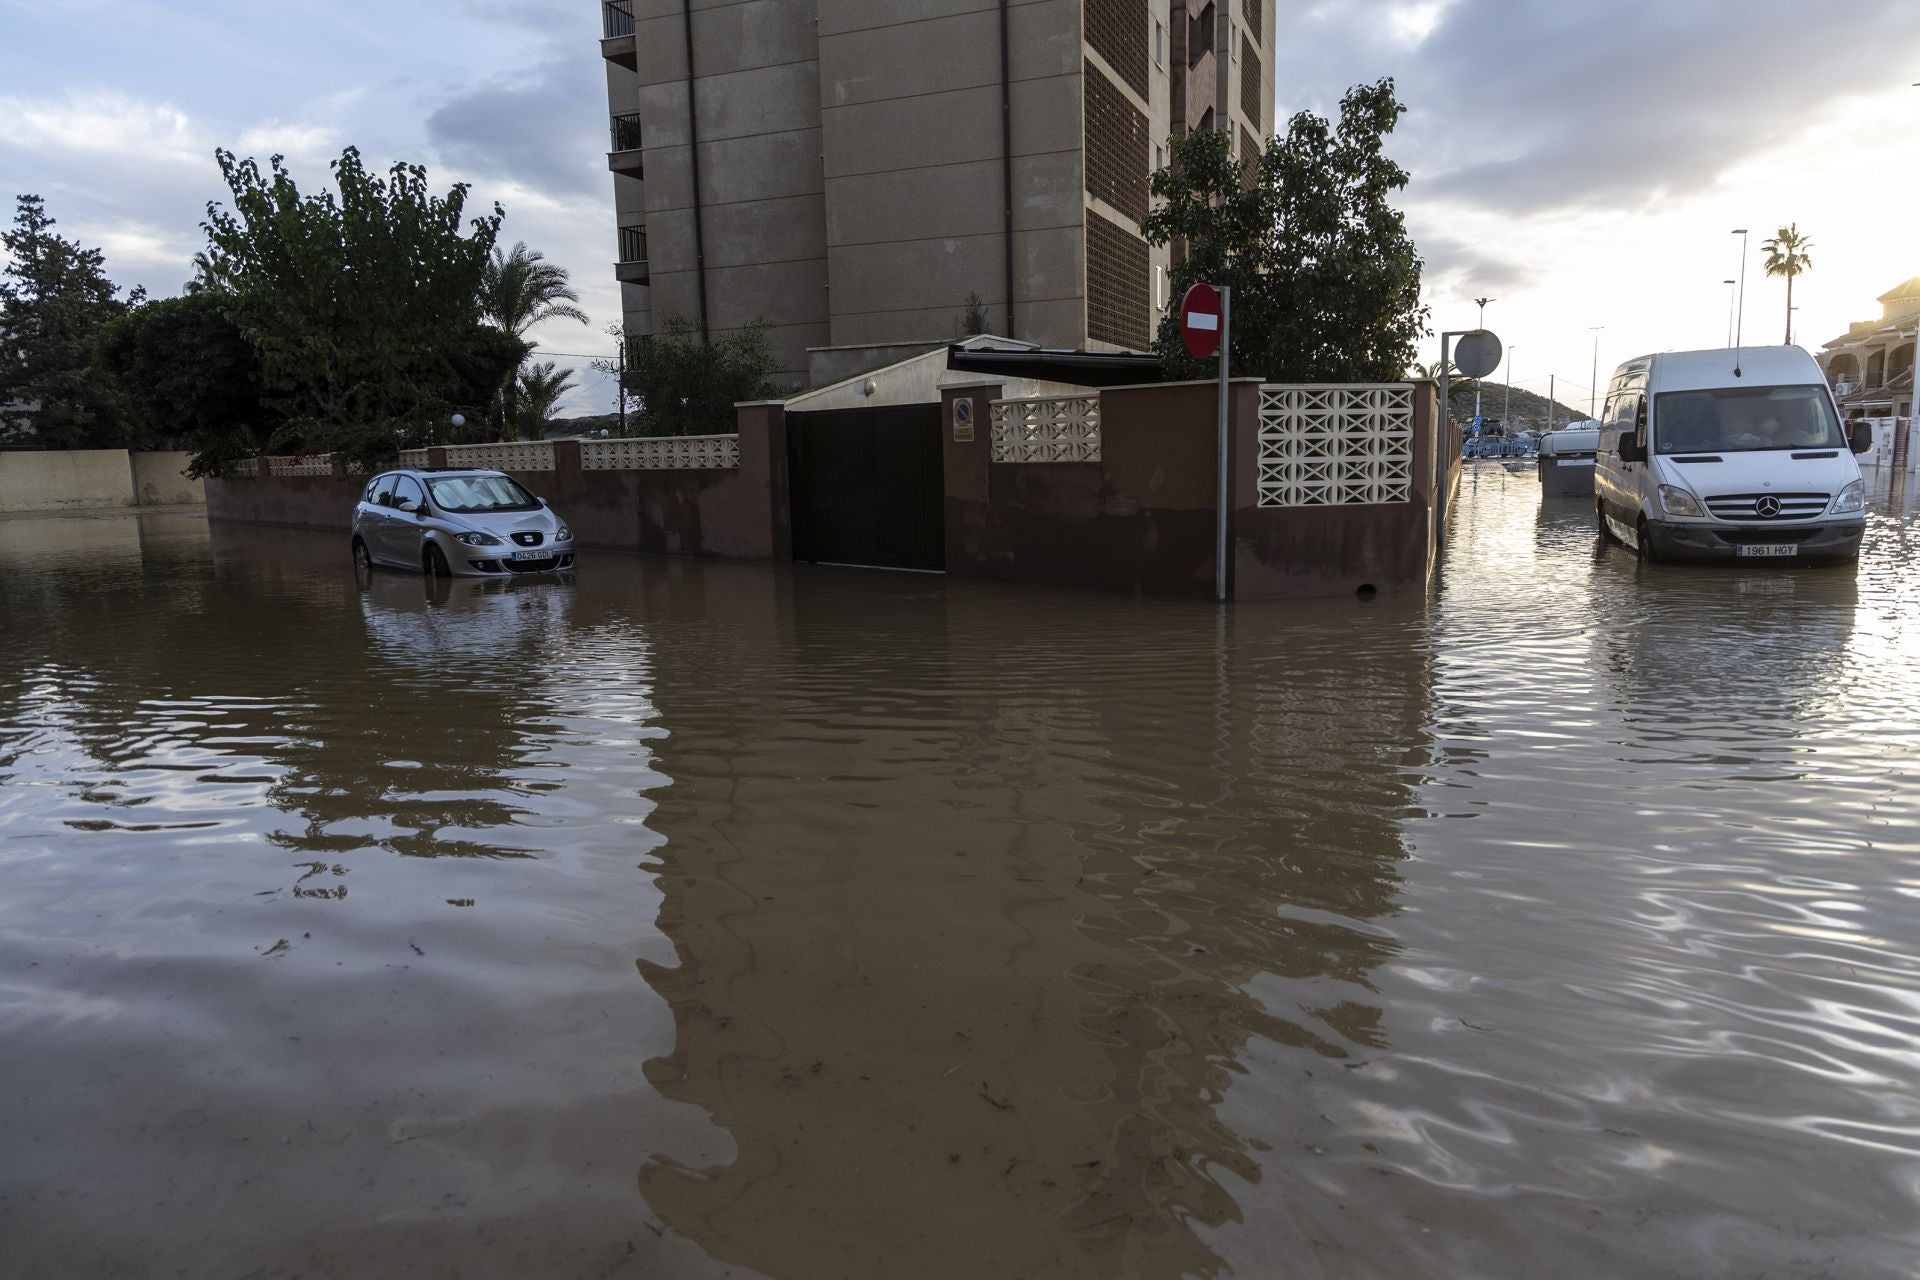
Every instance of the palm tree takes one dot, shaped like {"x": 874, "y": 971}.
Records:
{"x": 518, "y": 291}
{"x": 540, "y": 389}
{"x": 1787, "y": 256}
{"x": 522, "y": 289}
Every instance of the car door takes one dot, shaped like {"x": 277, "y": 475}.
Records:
{"x": 404, "y": 524}
{"x": 371, "y": 517}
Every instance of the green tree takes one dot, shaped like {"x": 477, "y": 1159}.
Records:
{"x": 687, "y": 387}
{"x": 187, "y": 375}
{"x": 540, "y": 388}
{"x": 1326, "y": 281}
{"x": 520, "y": 290}
{"x": 363, "y": 303}
{"x": 1788, "y": 255}
{"x": 54, "y": 297}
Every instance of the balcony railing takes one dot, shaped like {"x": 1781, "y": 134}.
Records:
{"x": 633, "y": 244}
{"x": 616, "y": 18}
{"x": 626, "y": 132}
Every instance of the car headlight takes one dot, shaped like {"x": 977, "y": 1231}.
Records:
{"x": 1851, "y": 498}
{"x": 1678, "y": 502}
{"x": 477, "y": 539}
{"x": 565, "y": 535}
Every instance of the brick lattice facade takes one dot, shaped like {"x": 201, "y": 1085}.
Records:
{"x": 1119, "y": 31}
{"x": 1119, "y": 285}
{"x": 1250, "y": 10}
{"x": 1249, "y": 79}
{"x": 1118, "y": 153}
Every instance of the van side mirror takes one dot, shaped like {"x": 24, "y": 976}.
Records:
{"x": 1860, "y": 437}
{"x": 1631, "y": 450}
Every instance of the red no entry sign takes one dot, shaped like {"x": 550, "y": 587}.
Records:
{"x": 1200, "y": 321}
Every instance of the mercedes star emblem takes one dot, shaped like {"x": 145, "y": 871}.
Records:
{"x": 1768, "y": 506}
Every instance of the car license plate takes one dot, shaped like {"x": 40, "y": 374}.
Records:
{"x": 547, "y": 555}
{"x": 1769, "y": 549}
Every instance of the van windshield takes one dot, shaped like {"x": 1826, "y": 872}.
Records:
{"x": 1744, "y": 420}
{"x": 470, "y": 494}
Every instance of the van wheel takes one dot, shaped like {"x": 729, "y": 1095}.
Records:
{"x": 1645, "y": 540}
{"x": 435, "y": 563}
{"x": 1600, "y": 522}
{"x": 362, "y": 558}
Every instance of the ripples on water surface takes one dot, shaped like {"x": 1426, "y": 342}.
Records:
{"x": 705, "y": 920}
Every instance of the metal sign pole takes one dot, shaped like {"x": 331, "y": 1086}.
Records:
{"x": 1220, "y": 521}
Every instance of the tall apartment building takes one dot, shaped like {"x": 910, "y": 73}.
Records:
{"x": 855, "y": 170}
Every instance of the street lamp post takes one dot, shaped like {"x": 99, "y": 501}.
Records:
{"x": 1593, "y": 385}
{"x": 1729, "y": 284}
{"x": 1480, "y": 323}
{"x": 1506, "y": 410}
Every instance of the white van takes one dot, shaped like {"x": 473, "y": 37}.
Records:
{"x": 1728, "y": 454}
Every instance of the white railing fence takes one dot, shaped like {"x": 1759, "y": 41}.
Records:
{"x": 1335, "y": 445}
{"x": 1047, "y": 429}
{"x": 651, "y": 453}
{"x": 661, "y": 453}
{"x": 506, "y": 455}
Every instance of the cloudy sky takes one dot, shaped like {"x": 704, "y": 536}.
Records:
{"x": 1580, "y": 162}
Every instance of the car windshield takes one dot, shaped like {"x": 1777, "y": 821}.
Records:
{"x": 469, "y": 494}
{"x": 1745, "y": 419}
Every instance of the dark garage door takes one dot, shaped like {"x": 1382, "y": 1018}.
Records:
{"x": 867, "y": 486}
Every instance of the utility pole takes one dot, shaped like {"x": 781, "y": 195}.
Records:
{"x": 1593, "y": 386}
{"x": 1553, "y": 406}
{"x": 1740, "y": 322}
{"x": 1481, "y": 323}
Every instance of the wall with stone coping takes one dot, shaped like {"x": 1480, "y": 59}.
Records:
{"x": 1142, "y": 516}
{"x": 728, "y": 512}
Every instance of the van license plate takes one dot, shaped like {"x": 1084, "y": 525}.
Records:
{"x": 1770, "y": 549}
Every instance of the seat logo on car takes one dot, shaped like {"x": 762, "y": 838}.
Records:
{"x": 1768, "y": 507}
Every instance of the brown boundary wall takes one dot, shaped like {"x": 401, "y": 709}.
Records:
{"x": 1142, "y": 518}
{"x": 733, "y": 513}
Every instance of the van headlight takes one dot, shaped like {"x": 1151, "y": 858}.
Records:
{"x": 1850, "y": 499}
{"x": 1675, "y": 501}
{"x": 477, "y": 539}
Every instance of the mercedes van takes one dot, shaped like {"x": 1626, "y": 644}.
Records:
{"x": 1734, "y": 453}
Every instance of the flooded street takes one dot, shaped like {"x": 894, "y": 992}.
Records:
{"x": 696, "y": 919}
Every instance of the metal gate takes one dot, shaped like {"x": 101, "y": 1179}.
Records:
{"x": 867, "y": 486}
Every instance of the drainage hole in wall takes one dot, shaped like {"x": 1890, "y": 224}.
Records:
{"x": 1366, "y": 591}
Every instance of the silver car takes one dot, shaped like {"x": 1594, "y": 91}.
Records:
{"x": 457, "y": 522}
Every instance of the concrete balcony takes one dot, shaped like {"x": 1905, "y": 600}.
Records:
{"x": 632, "y": 267}
{"x": 625, "y": 156}
{"x": 616, "y": 34}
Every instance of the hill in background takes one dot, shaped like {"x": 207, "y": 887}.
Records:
{"x": 1529, "y": 408}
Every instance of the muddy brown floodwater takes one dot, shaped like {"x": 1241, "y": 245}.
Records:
{"x": 716, "y": 920}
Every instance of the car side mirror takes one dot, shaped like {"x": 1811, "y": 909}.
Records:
{"x": 1631, "y": 450}
{"x": 1860, "y": 437}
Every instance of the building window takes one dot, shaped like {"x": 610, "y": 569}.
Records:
{"x": 1159, "y": 45}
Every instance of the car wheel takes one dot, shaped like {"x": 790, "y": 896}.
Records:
{"x": 362, "y": 558}
{"x": 1645, "y": 540}
{"x": 435, "y": 563}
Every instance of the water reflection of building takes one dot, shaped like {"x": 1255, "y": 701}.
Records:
{"x": 1871, "y": 364}
{"x": 974, "y": 928}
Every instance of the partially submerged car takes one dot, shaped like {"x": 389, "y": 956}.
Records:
{"x": 460, "y": 522}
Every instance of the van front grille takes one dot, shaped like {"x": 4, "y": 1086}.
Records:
{"x": 1747, "y": 506}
